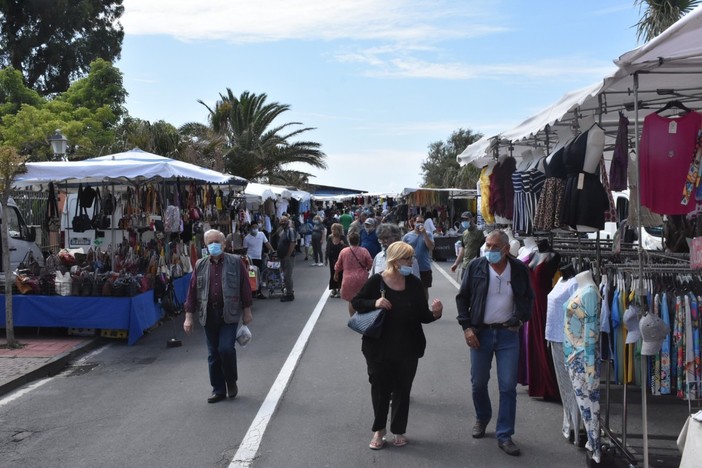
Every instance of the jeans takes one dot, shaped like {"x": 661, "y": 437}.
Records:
{"x": 504, "y": 345}
{"x": 317, "y": 249}
{"x": 287, "y": 264}
{"x": 221, "y": 354}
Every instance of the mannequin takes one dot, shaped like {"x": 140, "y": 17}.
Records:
{"x": 581, "y": 349}
{"x": 585, "y": 279}
{"x": 585, "y": 199}
{"x": 527, "y": 158}
{"x": 561, "y": 292}
{"x": 513, "y": 243}
{"x": 528, "y": 250}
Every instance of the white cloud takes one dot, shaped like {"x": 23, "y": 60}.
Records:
{"x": 244, "y": 21}
{"x": 406, "y": 66}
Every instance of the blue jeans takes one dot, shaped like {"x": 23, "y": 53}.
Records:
{"x": 221, "y": 354}
{"x": 504, "y": 345}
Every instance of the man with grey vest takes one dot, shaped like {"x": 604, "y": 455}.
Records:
{"x": 220, "y": 294}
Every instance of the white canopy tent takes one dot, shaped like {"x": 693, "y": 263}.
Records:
{"x": 130, "y": 166}
{"x": 666, "y": 68}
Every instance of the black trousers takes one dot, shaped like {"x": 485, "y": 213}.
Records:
{"x": 391, "y": 379}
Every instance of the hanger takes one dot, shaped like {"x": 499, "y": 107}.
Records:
{"x": 676, "y": 105}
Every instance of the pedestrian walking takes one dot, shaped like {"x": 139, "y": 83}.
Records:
{"x": 354, "y": 262}
{"x": 220, "y": 294}
{"x": 254, "y": 242}
{"x": 494, "y": 301}
{"x": 286, "y": 255}
{"x": 317, "y": 238}
{"x": 392, "y": 358}
{"x": 423, "y": 243}
{"x": 335, "y": 243}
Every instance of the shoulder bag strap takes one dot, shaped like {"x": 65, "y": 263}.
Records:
{"x": 97, "y": 203}
{"x": 354, "y": 256}
{"x": 51, "y": 205}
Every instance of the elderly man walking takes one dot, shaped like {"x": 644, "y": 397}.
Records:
{"x": 495, "y": 299}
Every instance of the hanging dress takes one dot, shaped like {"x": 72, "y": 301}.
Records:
{"x": 484, "y": 182}
{"x": 541, "y": 372}
{"x": 585, "y": 200}
{"x": 582, "y": 359}
{"x": 548, "y": 210}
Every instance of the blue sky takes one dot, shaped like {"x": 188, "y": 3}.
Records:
{"x": 380, "y": 80}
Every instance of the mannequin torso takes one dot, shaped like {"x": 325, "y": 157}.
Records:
{"x": 584, "y": 279}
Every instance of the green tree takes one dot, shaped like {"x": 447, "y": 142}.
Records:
{"x": 13, "y": 92}
{"x": 441, "y": 169}
{"x": 11, "y": 164}
{"x": 160, "y": 137}
{"x": 253, "y": 147}
{"x": 54, "y": 42}
{"x": 659, "y": 15}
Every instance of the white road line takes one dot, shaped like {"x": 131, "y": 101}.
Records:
{"x": 245, "y": 455}
{"x": 447, "y": 276}
{"x": 33, "y": 386}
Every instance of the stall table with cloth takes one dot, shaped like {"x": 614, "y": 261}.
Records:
{"x": 134, "y": 314}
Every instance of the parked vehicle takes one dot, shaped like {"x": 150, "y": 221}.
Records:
{"x": 21, "y": 237}
{"x": 652, "y": 237}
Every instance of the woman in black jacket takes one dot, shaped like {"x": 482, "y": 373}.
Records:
{"x": 392, "y": 358}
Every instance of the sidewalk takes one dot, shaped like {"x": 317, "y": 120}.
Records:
{"x": 38, "y": 357}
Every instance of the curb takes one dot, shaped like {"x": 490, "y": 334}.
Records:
{"x": 52, "y": 367}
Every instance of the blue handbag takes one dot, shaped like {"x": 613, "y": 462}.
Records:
{"x": 369, "y": 324}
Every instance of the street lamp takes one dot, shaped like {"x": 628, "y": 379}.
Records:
{"x": 58, "y": 145}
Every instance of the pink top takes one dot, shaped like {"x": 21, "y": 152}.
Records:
{"x": 666, "y": 152}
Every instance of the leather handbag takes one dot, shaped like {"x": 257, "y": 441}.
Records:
{"x": 369, "y": 324}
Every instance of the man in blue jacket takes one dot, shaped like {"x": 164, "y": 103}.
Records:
{"x": 494, "y": 301}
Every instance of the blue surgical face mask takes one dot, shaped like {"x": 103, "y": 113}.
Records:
{"x": 214, "y": 248}
{"x": 493, "y": 257}
{"x": 254, "y": 232}
{"x": 405, "y": 270}
{"x": 465, "y": 224}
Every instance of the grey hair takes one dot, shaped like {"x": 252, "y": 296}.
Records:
{"x": 216, "y": 233}
{"x": 502, "y": 235}
{"x": 388, "y": 230}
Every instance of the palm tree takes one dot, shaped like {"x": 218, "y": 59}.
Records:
{"x": 660, "y": 15}
{"x": 254, "y": 148}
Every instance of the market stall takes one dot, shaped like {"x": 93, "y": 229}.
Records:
{"x": 150, "y": 235}
{"x": 650, "y": 98}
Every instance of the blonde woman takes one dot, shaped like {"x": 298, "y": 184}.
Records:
{"x": 393, "y": 357}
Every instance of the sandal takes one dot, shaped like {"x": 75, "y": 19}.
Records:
{"x": 400, "y": 440}
{"x": 378, "y": 441}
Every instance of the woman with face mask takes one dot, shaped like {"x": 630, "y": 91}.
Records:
{"x": 393, "y": 357}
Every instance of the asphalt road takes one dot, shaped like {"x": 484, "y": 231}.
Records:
{"x": 145, "y": 405}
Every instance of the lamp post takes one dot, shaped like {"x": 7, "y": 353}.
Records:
{"x": 58, "y": 145}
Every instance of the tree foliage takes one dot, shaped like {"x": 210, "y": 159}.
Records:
{"x": 11, "y": 164}
{"x": 52, "y": 43}
{"x": 659, "y": 15}
{"x": 86, "y": 113}
{"x": 253, "y": 147}
{"x": 441, "y": 169}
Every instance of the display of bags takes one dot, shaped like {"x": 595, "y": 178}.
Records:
{"x": 53, "y": 217}
{"x": 81, "y": 221}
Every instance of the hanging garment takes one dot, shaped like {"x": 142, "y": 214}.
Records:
{"x": 555, "y": 329}
{"x": 484, "y": 182}
{"x": 665, "y": 350}
{"x": 541, "y": 373}
{"x": 666, "y": 151}
{"x": 678, "y": 344}
{"x": 532, "y": 184}
{"x": 548, "y": 210}
{"x": 610, "y": 214}
{"x": 585, "y": 199}
{"x": 582, "y": 359}
{"x": 520, "y": 220}
{"x": 502, "y": 190}
{"x": 620, "y": 156}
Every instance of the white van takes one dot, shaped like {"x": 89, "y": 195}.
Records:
{"x": 652, "y": 237}
{"x": 21, "y": 237}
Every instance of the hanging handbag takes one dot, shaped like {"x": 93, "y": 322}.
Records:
{"x": 81, "y": 221}
{"x": 53, "y": 218}
{"x": 369, "y": 324}
{"x": 100, "y": 219}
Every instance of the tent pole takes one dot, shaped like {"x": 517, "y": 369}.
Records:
{"x": 644, "y": 409}
{"x": 112, "y": 229}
